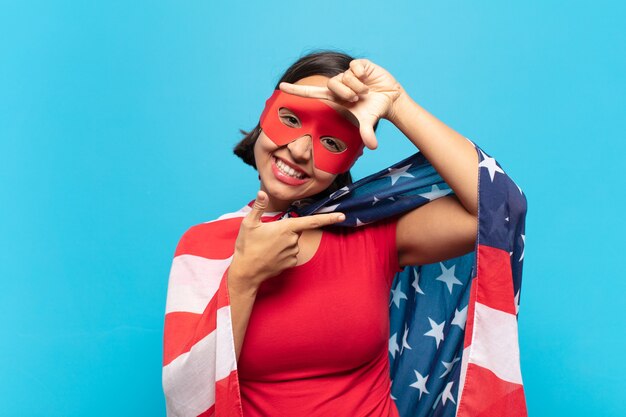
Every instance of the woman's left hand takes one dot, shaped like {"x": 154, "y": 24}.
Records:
{"x": 367, "y": 90}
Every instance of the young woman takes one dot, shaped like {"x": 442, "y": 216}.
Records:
{"x": 288, "y": 279}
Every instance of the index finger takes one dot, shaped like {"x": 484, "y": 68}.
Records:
{"x": 298, "y": 224}
{"x": 312, "y": 91}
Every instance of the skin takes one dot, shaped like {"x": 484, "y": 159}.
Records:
{"x": 298, "y": 153}
{"x": 441, "y": 229}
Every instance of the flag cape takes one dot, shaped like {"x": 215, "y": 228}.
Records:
{"x": 453, "y": 346}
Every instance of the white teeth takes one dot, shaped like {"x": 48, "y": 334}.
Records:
{"x": 286, "y": 169}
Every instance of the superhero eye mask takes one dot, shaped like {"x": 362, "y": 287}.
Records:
{"x": 318, "y": 120}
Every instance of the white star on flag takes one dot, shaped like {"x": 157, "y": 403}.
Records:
{"x": 524, "y": 248}
{"x": 416, "y": 282}
{"x": 396, "y": 173}
{"x": 420, "y": 384}
{"x": 393, "y": 345}
{"x": 447, "y": 276}
{"x": 340, "y": 192}
{"x": 447, "y": 393}
{"x": 491, "y": 165}
{"x": 328, "y": 209}
{"x": 517, "y": 302}
{"x": 397, "y": 295}
{"x": 436, "y": 330}
{"x": 436, "y": 192}
{"x": 448, "y": 366}
{"x": 405, "y": 344}
{"x": 460, "y": 317}
{"x": 376, "y": 200}
{"x": 360, "y": 223}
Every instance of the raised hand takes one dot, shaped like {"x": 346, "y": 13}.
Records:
{"x": 263, "y": 250}
{"x": 366, "y": 89}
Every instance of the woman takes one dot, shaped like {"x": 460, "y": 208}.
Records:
{"x": 362, "y": 92}
{"x": 286, "y": 279}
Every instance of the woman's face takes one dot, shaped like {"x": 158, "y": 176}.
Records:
{"x": 287, "y": 172}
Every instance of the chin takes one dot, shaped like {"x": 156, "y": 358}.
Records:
{"x": 282, "y": 194}
{"x": 278, "y": 191}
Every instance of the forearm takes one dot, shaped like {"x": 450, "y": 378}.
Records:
{"x": 453, "y": 156}
{"x": 241, "y": 303}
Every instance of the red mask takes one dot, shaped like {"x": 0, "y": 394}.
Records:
{"x": 318, "y": 120}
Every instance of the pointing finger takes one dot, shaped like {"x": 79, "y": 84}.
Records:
{"x": 298, "y": 224}
{"x": 312, "y": 91}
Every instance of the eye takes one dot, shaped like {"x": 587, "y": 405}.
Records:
{"x": 288, "y": 117}
{"x": 333, "y": 144}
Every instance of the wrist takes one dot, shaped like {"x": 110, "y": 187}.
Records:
{"x": 398, "y": 107}
{"x": 239, "y": 282}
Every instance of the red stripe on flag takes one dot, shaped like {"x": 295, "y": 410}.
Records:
{"x": 208, "y": 413}
{"x": 227, "y": 397}
{"x": 182, "y": 330}
{"x": 486, "y": 395}
{"x": 213, "y": 240}
{"x": 494, "y": 279}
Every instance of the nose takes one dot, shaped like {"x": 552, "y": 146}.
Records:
{"x": 301, "y": 148}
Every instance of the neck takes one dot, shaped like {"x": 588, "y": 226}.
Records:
{"x": 277, "y": 205}
{"x": 274, "y": 204}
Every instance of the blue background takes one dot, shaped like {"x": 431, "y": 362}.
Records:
{"x": 117, "y": 121}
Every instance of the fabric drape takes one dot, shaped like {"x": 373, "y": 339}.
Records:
{"x": 453, "y": 346}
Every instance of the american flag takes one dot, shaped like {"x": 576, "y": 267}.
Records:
{"x": 453, "y": 345}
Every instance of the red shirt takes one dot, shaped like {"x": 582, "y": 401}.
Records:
{"x": 317, "y": 340}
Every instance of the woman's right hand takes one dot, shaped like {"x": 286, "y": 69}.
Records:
{"x": 263, "y": 250}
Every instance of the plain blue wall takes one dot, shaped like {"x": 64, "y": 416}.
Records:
{"x": 117, "y": 121}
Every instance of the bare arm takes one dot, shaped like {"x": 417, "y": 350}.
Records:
{"x": 453, "y": 156}
{"x": 445, "y": 227}
{"x": 242, "y": 298}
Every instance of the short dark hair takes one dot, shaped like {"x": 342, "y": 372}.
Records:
{"x": 324, "y": 62}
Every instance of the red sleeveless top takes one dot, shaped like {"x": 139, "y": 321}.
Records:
{"x": 317, "y": 340}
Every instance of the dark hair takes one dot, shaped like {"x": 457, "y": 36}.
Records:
{"x": 327, "y": 63}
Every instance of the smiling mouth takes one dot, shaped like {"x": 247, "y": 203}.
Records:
{"x": 289, "y": 171}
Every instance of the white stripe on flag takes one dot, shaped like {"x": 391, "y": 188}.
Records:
{"x": 192, "y": 282}
{"x": 189, "y": 380}
{"x": 495, "y": 344}
{"x": 225, "y": 352}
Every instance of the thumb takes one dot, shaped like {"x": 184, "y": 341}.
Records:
{"x": 368, "y": 135}
{"x": 258, "y": 208}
